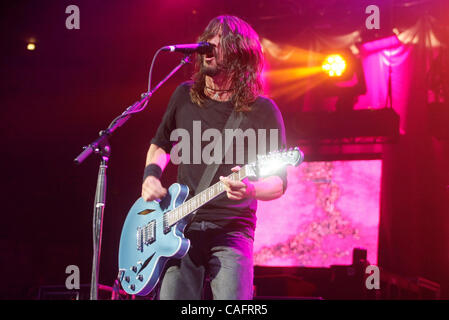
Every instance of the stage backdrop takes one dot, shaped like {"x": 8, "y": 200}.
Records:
{"x": 328, "y": 209}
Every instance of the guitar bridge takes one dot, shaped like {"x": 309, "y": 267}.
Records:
{"x": 146, "y": 235}
{"x": 139, "y": 239}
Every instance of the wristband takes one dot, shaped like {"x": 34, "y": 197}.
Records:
{"x": 152, "y": 170}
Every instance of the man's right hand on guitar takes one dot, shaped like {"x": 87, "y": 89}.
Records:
{"x": 152, "y": 189}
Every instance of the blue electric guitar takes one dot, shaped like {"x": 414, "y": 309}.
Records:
{"x": 153, "y": 231}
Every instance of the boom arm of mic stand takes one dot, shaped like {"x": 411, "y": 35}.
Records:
{"x": 120, "y": 120}
{"x": 101, "y": 147}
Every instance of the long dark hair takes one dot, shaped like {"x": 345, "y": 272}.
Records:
{"x": 242, "y": 58}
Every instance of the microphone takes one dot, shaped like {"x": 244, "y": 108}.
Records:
{"x": 201, "y": 48}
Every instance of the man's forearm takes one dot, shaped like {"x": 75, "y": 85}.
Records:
{"x": 157, "y": 156}
{"x": 269, "y": 188}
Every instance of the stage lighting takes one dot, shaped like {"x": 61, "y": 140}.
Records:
{"x": 31, "y": 46}
{"x": 334, "y": 65}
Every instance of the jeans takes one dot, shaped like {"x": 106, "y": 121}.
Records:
{"x": 223, "y": 257}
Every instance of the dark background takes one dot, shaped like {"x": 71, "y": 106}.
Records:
{"x": 54, "y": 100}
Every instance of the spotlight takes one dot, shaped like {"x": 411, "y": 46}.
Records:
{"x": 344, "y": 78}
{"x": 31, "y": 46}
{"x": 334, "y": 65}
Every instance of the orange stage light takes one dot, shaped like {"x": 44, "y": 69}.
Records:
{"x": 334, "y": 65}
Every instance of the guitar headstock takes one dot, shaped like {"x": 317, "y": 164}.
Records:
{"x": 269, "y": 164}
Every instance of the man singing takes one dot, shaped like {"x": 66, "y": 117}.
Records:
{"x": 222, "y": 232}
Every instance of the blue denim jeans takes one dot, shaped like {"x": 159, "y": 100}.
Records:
{"x": 222, "y": 257}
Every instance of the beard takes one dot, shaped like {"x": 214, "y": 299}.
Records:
{"x": 210, "y": 71}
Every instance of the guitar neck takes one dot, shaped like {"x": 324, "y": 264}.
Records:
{"x": 202, "y": 198}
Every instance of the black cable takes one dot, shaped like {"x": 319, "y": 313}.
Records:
{"x": 128, "y": 112}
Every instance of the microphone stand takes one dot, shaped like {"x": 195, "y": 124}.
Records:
{"x": 101, "y": 147}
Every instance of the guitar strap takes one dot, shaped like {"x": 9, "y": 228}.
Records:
{"x": 233, "y": 123}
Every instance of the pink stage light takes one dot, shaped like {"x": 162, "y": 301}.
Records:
{"x": 329, "y": 208}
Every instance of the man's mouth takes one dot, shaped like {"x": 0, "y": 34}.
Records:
{"x": 208, "y": 60}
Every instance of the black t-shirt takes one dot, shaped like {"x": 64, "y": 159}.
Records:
{"x": 187, "y": 117}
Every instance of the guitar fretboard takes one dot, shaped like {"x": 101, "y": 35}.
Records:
{"x": 202, "y": 198}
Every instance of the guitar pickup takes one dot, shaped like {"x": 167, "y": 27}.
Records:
{"x": 139, "y": 238}
{"x": 166, "y": 224}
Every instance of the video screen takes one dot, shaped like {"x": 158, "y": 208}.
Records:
{"x": 328, "y": 209}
